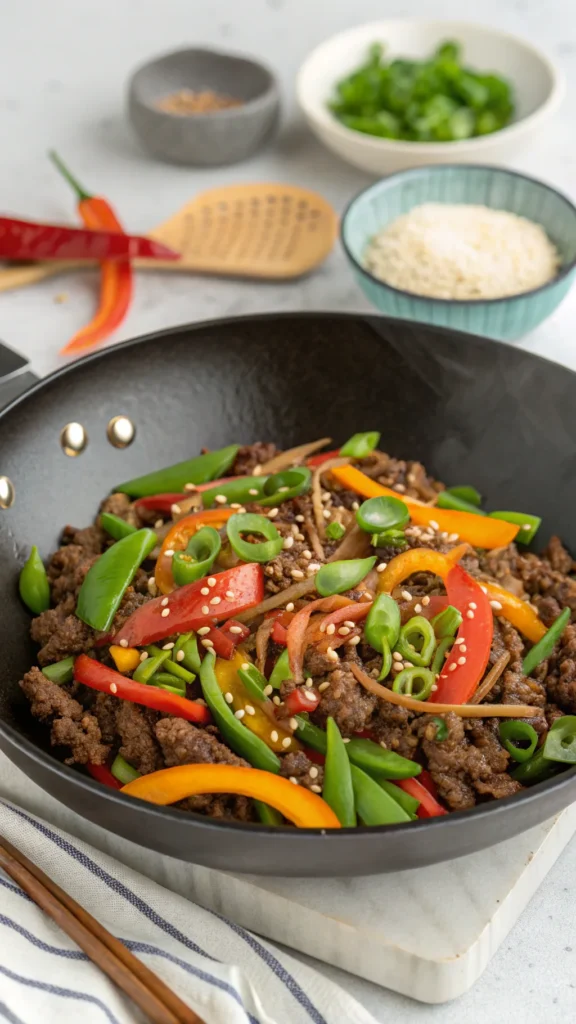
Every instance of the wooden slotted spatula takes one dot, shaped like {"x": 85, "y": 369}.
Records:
{"x": 263, "y": 230}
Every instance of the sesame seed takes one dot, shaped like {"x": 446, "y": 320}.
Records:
{"x": 313, "y": 566}
{"x": 322, "y": 627}
{"x": 496, "y": 606}
{"x": 175, "y": 509}
{"x": 236, "y": 629}
{"x": 288, "y": 543}
{"x": 276, "y": 701}
{"x": 164, "y": 602}
{"x": 299, "y": 536}
{"x": 205, "y": 609}
{"x": 397, "y": 666}
{"x": 309, "y": 681}
{"x": 353, "y": 641}
{"x": 113, "y": 688}
{"x": 331, "y": 653}
{"x": 444, "y": 535}
{"x": 297, "y": 574}
{"x": 168, "y": 647}
{"x": 459, "y": 641}
{"x": 399, "y": 487}
{"x": 189, "y": 487}
{"x": 229, "y": 698}
{"x": 397, "y": 656}
{"x": 307, "y": 554}
{"x": 169, "y": 553}
{"x": 158, "y": 524}
{"x": 281, "y": 490}
{"x": 330, "y": 628}
{"x": 245, "y": 665}
{"x": 483, "y": 589}
{"x": 273, "y": 513}
{"x": 453, "y": 537}
{"x": 432, "y": 523}
{"x": 211, "y": 581}
{"x": 123, "y": 643}
{"x": 293, "y": 723}
{"x": 221, "y": 499}
{"x": 295, "y": 530}
{"x": 309, "y": 695}
{"x": 344, "y": 630}
{"x": 346, "y": 739}
{"x": 299, "y": 519}
{"x": 230, "y": 595}
{"x": 323, "y": 686}
{"x": 286, "y": 741}
{"x": 207, "y": 643}
{"x": 250, "y": 710}
{"x": 469, "y": 615}
{"x": 152, "y": 588}
{"x": 426, "y": 601}
{"x": 463, "y": 649}
{"x": 274, "y": 736}
{"x": 406, "y": 595}
{"x": 453, "y": 667}
{"x": 290, "y": 606}
{"x": 407, "y": 664}
{"x": 326, "y": 513}
{"x": 215, "y": 600}
{"x": 240, "y": 713}
{"x": 268, "y": 690}
{"x": 292, "y": 777}
{"x": 472, "y": 605}
{"x": 417, "y": 608}
{"x": 253, "y": 491}
{"x": 235, "y": 504}
{"x": 241, "y": 509}
{"x": 326, "y": 495}
{"x": 313, "y": 772}
{"x": 526, "y": 526}
{"x": 355, "y": 506}
{"x": 203, "y": 630}
{"x": 180, "y": 656}
{"x": 144, "y": 655}
{"x": 269, "y": 570}
{"x": 205, "y": 591}
{"x": 434, "y": 687}
{"x": 165, "y": 612}
{"x": 461, "y": 661}
{"x": 315, "y": 788}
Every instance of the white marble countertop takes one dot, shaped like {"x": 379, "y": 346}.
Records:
{"x": 63, "y": 68}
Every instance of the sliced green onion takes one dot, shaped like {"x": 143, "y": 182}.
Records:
{"x": 386, "y": 660}
{"x": 543, "y": 649}
{"x": 123, "y": 771}
{"x": 512, "y": 733}
{"x": 560, "y": 743}
{"x": 415, "y": 682}
{"x": 115, "y": 526}
{"x": 60, "y": 672}
{"x": 377, "y": 515}
{"x": 249, "y": 522}
{"x": 441, "y": 654}
{"x": 254, "y": 681}
{"x": 467, "y": 493}
{"x": 447, "y": 622}
{"x": 528, "y": 524}
{"x": 336, "y": 577}
{"x": 447, "y": 499}
{"x": 389, "y": 539}
{"x": 335, "y": 531}
{"x": 441, "y": 729}
{"x": 197, "y": 560}
{"x": 360, "y": 445}
{"x": 417, "y": 641}
{"x": 382, "y": 623}
{"x": 153, "y": 663}
{"x": 290, "y": 483}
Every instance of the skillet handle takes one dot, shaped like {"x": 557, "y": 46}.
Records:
{"x": 15, "y": 377}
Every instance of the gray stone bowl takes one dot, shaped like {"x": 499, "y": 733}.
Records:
{"x": 223, "y": 137}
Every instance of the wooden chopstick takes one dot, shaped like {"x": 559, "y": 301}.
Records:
{"x": 145, "y": 988}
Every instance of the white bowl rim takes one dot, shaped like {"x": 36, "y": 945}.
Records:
{"x": 564, "y": 271}
{"x": 319, "y": 113}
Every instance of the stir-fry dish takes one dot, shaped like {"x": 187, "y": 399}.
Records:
{"x": 312, "y": 638}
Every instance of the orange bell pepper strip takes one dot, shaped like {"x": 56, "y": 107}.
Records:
{"x": 262, "y": 724}
{"x": 177, "y": 540}
{"x": 480, "y": 531}
{"x": 303, "y": 808}
{"x": 518, "y": 613}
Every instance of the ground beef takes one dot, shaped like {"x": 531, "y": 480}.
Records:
{"x": 183, "y": 743}
{"x": 139, "y": 745}
{"x": 541, "y": 577}
{"x": 297, "y": 766}
{"x": 61, "y": 634}
{"x": 558, "y": 557}
{"x": 406, "y": 477}
{"x": 514, "y": 687}
{"x": 346, "y": 701}
{"x": 120, "y": 505}
{"x": 561, "y": 679}
{"x": 104, "y": 709}
{"x": 252, "y": 455}
{"x": 394, "y": 728}
{"x": 66, "y": 571}
{"x": 92, "y": 539}
{"x": 72, "y": 726}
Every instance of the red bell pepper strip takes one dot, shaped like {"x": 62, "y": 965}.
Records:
{"x": 429, "y": 806}
{"x": 102, "y": 773}
{"x": 300, "y": 700}
{"x": 317, "y": 460}
{"x": 99, "y": 677}
{"x": 466, "y": 663}
{"x": 27, "y": 240}
{"x": 279, "y": 632}
{"x": 187, "y": 608}
{"x": 164, "y": 502}
{"x": 235, "y": 631}
{"x": 224, "y": 642}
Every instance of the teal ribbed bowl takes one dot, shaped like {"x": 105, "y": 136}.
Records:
{"x": 508, "y": 318}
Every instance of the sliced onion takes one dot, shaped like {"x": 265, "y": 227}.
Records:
{"x": 463, "y": 710}
{"x": 313, "y": 537}
{"x": 292, "y": 456}
{"x": 491, "y": 678}
{"x": 296, "y": 638}
{"x": 262, "y": 641}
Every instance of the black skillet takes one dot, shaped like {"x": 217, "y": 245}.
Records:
{"x": 472, "y": 410}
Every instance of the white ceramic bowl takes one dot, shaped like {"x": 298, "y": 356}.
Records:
{"x": 538, "y": 88}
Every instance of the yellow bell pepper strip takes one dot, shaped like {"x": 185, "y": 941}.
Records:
{"x": 519, "y": 613}
{"x": 480, "y": 531}
{"x": 126, "y": 659}
{"x": 258, "y": 720}
{"x": 177, "y": 540}
{"x": 170, "y": 785}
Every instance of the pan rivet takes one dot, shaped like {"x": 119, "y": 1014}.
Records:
{"x": 7, "y": 492}
{"x": 121, "y": 431}
{"x": 73, "y": 439}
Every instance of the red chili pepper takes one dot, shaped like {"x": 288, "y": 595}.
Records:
{"x": 429, "y": 806}
{"x": 116, "y": 275}
{"x": 189, "y": 609}
{"x": 102, "y": 773}
{"x": 317, "y": 460}
{"x": 27, "y": 240}
{"x": 314, "y": 755}
{"x": 296, "y": 702}
{"x": 224, "y": 641}
{"x": 466, "y": 663}
{"x": 279, "y": 632}
{"x": 99, "y": 677}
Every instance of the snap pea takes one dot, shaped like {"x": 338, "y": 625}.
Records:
{"x": 335, "y": 531}
{"x": 364, "y": 753}
{"x": 512, "y": 733}
{"x": 254, "y": 681}
{"x": 408, "y": 803}
{"x": 360, "y": 445}
{"x": 268, "y": 815}
{"x": 336, "y": 577}
{"x": 242, "y": 490}
{"x": 386, "y": 661}
{"x": 448, "y": 499}
{"x": 415, "y": 682}
{"x": 197, "y": 560}
{"x": 33, "y": 583}
{"x": 467, "y": 493}
{"x": 146, "y": 669}
{"x": 290, "y": 483}
{"x": 337, "y": 790}
{"x": 528, "y": 524}
{"x": 281, "y": 670}
{"x": 373, "y": 805}
{"x": 123, "y": 771}
{"x": 382, "y": 623}
{"x": 543, "y": 649}
{"x": 377, "y": 515}
{"x": 440, "y": 654}
{"x": 248, "y": 522}
{"x": 60, "y": 672}
{"x": 188, "y": 643}
{"x": 560, "y": 743}
{"x": 243, "y": 742}
{"x": 115, "y": 526}
{"x": 417, "y": 631}
{"x": 447, "y": 622}
{"x": 537, "y": 769}
{"x": 173, "y": 479}
{"x": 107, "y": 579}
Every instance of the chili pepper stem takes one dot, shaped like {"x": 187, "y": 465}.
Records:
{"x": 69, "y": 177}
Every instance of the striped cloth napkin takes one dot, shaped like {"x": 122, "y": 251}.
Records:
{"x": 225, "y": 973}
